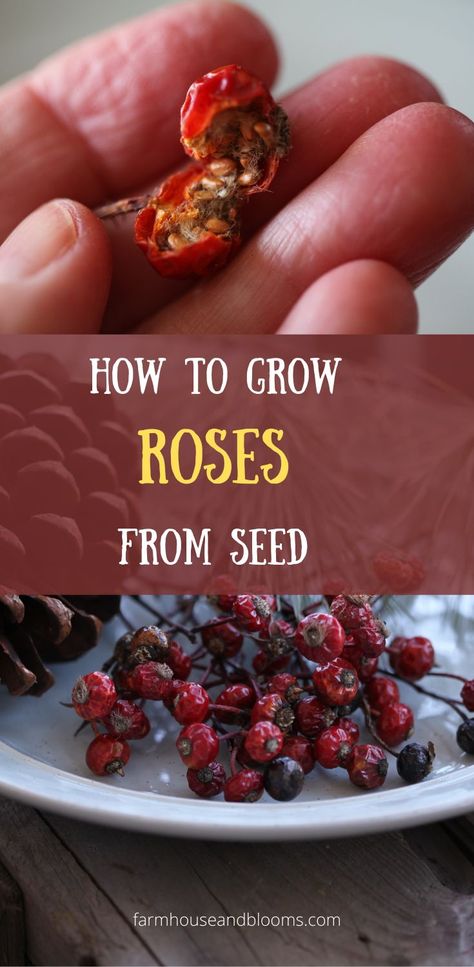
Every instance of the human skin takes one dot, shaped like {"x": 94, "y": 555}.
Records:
{"x": 378, "y": 189}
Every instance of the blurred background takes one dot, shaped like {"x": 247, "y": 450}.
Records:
{"x": 434, "y": 35}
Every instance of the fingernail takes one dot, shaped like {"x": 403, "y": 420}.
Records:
{"x": 42, "y": 238}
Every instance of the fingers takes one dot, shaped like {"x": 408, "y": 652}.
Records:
{"x": 403, "y": 194}
{"x": 327, "y": 114}
{"x": 332, "y": 111}
{"x": 55, "y": 272}
{"x": 360, "y": 298}
{"x": 103, "y": 116}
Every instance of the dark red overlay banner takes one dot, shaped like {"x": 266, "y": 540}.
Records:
{"x": 183, "y": 464}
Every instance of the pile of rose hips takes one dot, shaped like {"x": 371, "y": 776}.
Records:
{"x": 291, "y": 709}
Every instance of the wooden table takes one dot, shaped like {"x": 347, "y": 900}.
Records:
{"x": 68, "y": 892}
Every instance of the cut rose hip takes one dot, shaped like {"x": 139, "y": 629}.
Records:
{"x": 185, "y": 230}
{"x": 237, "y": 135}
{"x": 230, "y": 121}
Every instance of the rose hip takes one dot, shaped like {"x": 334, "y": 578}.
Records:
{"x": 180, "y": 663}
{"x": 152, "y": 680}
{"x": 93, "y": 695}
{"x": 208, "y": 781}
{"x": 264, "y": 741}
{"x": 285, "y": 685}
{"x": 365, "y": 666}
{"x": 273, "y": 708}
{"x": 467, "y": 695}
{"x": 320, "y": 637}
{"x": 127, "y": 721}
{"x": 262, "y": 664}
{"x": 381, "y": 691}
{"x": 253, "y": 611}
{"x": 149, "y": 644}
{"x": 395, "y": 723}
{"x": 367, "y": 766}
{"x": 336, "y": 683}
{"x": 333, "y": 748}
{"x": 238, "y": 696}
{"x": 221, "y": 640}
{"x": 352, "y": 610}
{"x": 312, "y": 716}
{"x": 190, "y": 703}
{"x": 244, "y": 786}
{"x": 198, "y": 745}
{"x": 350, "y": 728}
{"x": 298, "y": 747}
{"x": 107, "y": 755}
{"x": 412, "y": 658}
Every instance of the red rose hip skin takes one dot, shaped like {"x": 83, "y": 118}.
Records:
{"x": 395, "y": 723}
{"x": 152, "y": 680}
{"x": 127, "y": 721}
{"x": 190, "y": 703}
{"x": 253, "y": 611}
{"x": 208, "y": 781}
{"x": 198, "y": 745}
{"x": 336, "y": 683}
{"x": 320, "y": 637}
{"x": 367, "y": 766}
{"x": 333, "y": 748}
{"x": 381, "y": 691}
{"x": 467, "y": 695}
{"x": 93, "y": 695}
{"x": 244, "y": 786}
{"x": 312, "y": 716}
{"x": 264, "y": 741}
{"x": 107, "y": 755}
{"x": 273, "y": 708}
{"x": 412, "y": 658}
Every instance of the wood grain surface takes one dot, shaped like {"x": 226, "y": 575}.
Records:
{"x": 402, "y": 898}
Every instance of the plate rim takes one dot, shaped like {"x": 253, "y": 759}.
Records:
{"x": 375, "y": 812}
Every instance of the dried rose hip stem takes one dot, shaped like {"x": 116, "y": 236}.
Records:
{"x": 455, "y": 678}
{"x": 424, "y": 691}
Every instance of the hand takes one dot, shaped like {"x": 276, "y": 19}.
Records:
{"x": 378, "y": 189}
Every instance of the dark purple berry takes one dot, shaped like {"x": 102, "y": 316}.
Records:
{"x": 465, "y": 736}
{"x": 283, "y": 778}
{"x": 415, "y": 761}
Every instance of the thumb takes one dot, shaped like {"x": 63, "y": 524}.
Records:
{"x": 55, "y": 271}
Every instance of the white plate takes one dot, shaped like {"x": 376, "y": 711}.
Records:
{"x": 41, "y": 763}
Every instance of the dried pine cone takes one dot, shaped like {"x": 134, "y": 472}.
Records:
{"x": 36, "y": 628}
